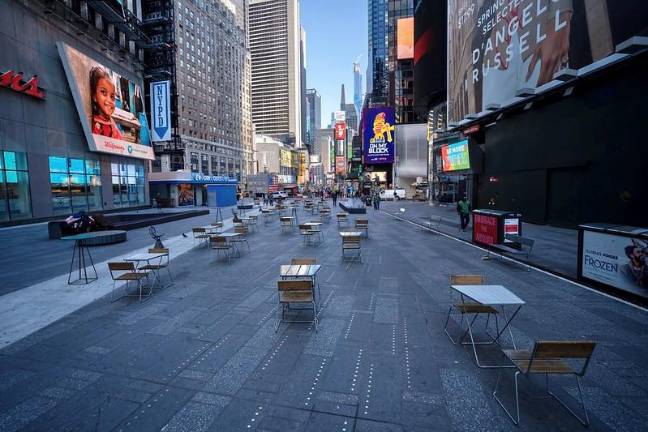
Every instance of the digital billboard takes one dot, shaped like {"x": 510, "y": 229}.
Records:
{"x": 340, "y": 131}
{"x": 340, "y": 165}
{"x": 110, "y": 106}
{"x": 455, "y": 157}
{"x": 430, "y": 54}
{"x": 405, "y": 38}
{"x": 497, "y": 47}
{"x": 378, "y": 135}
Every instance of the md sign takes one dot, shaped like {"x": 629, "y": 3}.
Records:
{"x": 160, "y": 110}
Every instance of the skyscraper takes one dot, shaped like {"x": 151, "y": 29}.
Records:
{"x": 276, "y": 70}
{"x": 357, "y": 88}
{"x": 302, "y": 89}
{"x": 314, "y": 115}
{"x": 351, "y": 117}
{"x": 378, "y": 50}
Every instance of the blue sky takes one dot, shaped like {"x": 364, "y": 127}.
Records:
{"x": 336, "y": 34}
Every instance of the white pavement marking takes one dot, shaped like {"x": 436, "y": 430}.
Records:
{"x": 519, "y": 262}
{"x": 30, "y": 309}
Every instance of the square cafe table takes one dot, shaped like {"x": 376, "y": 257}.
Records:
{"x": 301, "y": 271}
{"x": 350, "y": 233}
{"x": 147, "y": 258}
{"x": 229, "y": 236}
{"x": 495, "y": 296}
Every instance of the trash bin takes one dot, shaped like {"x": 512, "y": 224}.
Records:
{"x": 489, "y": 226}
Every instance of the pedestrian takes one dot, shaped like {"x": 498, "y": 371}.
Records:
{"x": 463, "y": 209}
{"x": 334, "y": 194}
{"x": 376, "y": 199}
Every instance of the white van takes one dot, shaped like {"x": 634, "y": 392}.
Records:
{"x": 388, "y": 194}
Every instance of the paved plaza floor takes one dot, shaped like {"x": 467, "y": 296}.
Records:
{"x": 202, "y": 354}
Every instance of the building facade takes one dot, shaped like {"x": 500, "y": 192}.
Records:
{"x": 62, "y": 148}
{"x": 276, "y": 69}
{"x": 377, "y": 71}
{"x": 357, "y": 89}
{"x": 213, "y": 134}
{"x": 314, "y": 101}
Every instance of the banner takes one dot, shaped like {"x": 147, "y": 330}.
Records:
{"x": 378, "y": 135}
{"x": 496, "y": 47}
{"x": 340, "y": 131}
{"x": 161, "y": 110}
{"x": 405, "y": 38}
{"x": 340, "y": 165}
{"x": 110, "y": 106}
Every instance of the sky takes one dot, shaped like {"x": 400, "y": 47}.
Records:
{"x": 336, "y": 34}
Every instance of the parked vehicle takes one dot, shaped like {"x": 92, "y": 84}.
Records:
{"x": 388, "y": 194}
{"x": 279, "y": 195}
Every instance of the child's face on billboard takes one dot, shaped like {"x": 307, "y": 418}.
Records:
{"x": 105, "y": 97}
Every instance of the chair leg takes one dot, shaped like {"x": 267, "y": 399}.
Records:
{"x": 516, "y": 419}
{"x": 169, "y": 271}
{"x": 584, "y": 422}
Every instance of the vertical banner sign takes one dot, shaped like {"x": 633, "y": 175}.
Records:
{"x": 484, "y": 229}
{"x": 160, "y": 110}
{"x": 340, "y": 131}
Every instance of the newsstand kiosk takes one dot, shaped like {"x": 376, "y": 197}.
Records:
{"x": 489, "y": 226}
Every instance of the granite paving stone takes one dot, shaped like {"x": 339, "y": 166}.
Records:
{"x": 202, "y": 354}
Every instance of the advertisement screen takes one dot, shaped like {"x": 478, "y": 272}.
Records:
{"x": 497, "y": 47}
{"x": 378, "y": 135}
{"x": 340, "y": 131}
{"x": 340, "y": 165}
{"x": 110, "y": 106}
{"x": 619, "y": 261}
{"x": 455, "y": 156}
{"x": 286, "y": 158}
{"x": 405, "y": 38}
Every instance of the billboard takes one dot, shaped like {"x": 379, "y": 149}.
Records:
{"x": 619, "y": 261}
{"x": 430, "y": 53}
{"x": 110, "y": 106}
{"x": 378, "y": 135}
{"x": 285, "y": 157}
{"x": 161, "y": 111}
{"x": 340, "y": 131}
{"x": 405, "y": 38}
{"x": 497, "y": 47}
{"x": 455, "y": 157}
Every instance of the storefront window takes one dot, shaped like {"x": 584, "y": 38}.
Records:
{"x": 15, "y": 202}
{"x": 128, "y": 184}
{"x": 214, "y": 165}
{"x": 75, "y": 185}
{"x": 204, "y": 164}
{"x": 194, "y": 162}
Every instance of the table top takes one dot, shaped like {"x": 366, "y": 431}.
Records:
{"x": 212, "y": 228}
{"x": 313, "y": 223}
{"x": 350, "y": 233}
{"x": 287, "y": 217}
{"x": 299, "y": 270}
{"x": 144, "y": 256}
{"x": 491, "y": 295}
{"x": 91, "y": 235}
{"x": 228, "y": 234}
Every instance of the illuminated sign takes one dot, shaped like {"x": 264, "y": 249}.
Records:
{"x": 455, "y": 156}
{"x": 340, "y": 165}
{"x": 340, "y": 131}
{"x": 378, "y": 135}
{"x": 160, "y": 110}
{"x": 286, "y": 158}
{"x": 405, "y": 38}
{"x": 14, "y": 81}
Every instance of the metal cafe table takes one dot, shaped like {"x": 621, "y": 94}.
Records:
{"x": 147, "y": 258}
{"x": 80, "y": 251}
{"x": 497, "y": 297}
{"x": 229, "y": 236}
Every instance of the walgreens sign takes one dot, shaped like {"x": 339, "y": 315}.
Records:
{"x": 14, "y": 81}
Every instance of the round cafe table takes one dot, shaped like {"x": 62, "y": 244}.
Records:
{"x": 80, "y": 251}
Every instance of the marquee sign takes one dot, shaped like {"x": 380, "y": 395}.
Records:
{"x": 14, "y": 81}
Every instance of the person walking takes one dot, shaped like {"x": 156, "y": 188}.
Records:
{"x": 376, "y": 199}
{"x": 334, "y": 194}
{"x": 463, "y": 209}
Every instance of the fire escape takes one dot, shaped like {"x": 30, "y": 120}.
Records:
{"x": 160, "y": 60}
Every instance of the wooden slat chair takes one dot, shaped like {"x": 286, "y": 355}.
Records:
{"x": 221, "y": 246}
{"x": 305, "y": 231}
{"x": 200, "y": 234}
{"x": 162, "y": 264}
{"x": 363, "y": 225}
{"x": 242, "y": 229}
{"x": 295, "y": 292}
{"x": 126, "y": 271}
{"x": 464, "y": 308}
{"x": 550, "y": 358}
{"x": 317, "y": 230}
{"x": 342, "y": 218}
{"x": 252, "y": 222}
{"x": 325, "y": 213}
{"x": 286, "y": 223}
{"x": 307, "y": 261}
{"x": 351, "y": 243}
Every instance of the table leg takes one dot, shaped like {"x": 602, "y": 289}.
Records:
{"x": 79, "y": 251}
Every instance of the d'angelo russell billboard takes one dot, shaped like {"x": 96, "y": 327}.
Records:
{"x": 378, "y": 135}
{"x": 496, "y": 47}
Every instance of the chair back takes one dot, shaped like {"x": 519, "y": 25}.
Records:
{"x": 240, "y": 229}
{"x": 159, "y": 250}
{"x": 304, "y": 227}
{"x": 121, "y": 266}
{"x": 563, "y": 349}
{"x": 351, "y": 240}
{"x": 362, "y": 222}
{"x": 295, "y": 290}
{"x": 467, "y": 280}
{"x": 303, "y": 261}
{"x": 199, "y": 230}
{"x": 217, "y": 239}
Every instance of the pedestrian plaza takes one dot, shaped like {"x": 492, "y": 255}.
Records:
{"x": 207, "y": 351}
